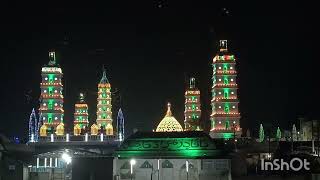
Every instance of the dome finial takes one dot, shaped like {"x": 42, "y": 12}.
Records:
{"x": 169, "y": 113}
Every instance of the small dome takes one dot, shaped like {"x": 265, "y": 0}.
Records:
{"x": 169, "y": 123}
{"x": 60, "y": 129}
{"x": 77, "y": 130}
{"x": 109, "y": 129}
{"x": 43, "y": 130}
{"x": 94, "y": 129}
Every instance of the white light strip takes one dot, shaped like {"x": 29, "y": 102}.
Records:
{"x": 101, "y": 137}
{"x": 187, "y": 166}
{"x": 50, "y": 162}
{"x": 52, "y": 138}
{"x": 37, "y": 162}
{"x": 56, "y": 162}
{"x": 45, "y": 162}
{"x": 67, "y": 137}
{"x": 86, "y": 137}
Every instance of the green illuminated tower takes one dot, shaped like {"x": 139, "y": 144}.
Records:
{"x": 192, "y": 111}
{"x": 51, "y": 98}
{"x": 225, "y": 115}
{"x": 81, "y": 112}
{"x": 104, "y": 114}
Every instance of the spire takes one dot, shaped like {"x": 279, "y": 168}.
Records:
{"x": 104, "y": 79}
{"x": 223, "y": 46}
{"x": 52, "y": 58}
{"x": 120, "y": 125}
{"x": 169, "y": 113}
{"x": 192, "y": 83}
{"x": 81, "y": 97}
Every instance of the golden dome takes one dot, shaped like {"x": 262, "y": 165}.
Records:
{"x": 60, "y": 129}
{"x": 43, "y": 130}
{"x": 169, "y": 123}
{"x": 77, "y": 130}
{"x": 94, "y": 129}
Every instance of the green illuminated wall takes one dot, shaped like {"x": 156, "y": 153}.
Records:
{"x": 189, "y": 147}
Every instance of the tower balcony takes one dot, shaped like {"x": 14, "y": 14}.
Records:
{"x": 53, "y": 110}
{"x": 190, "y": 92}
{"x": 224, "y": 114}
{"x": 52, "y": 96}
{"x": 223, "y": 129}
{"x": 222, "y": 72}
{"x": 222, "y": 99}
{"x": 51, "y": 84}
{"x": 107, "y": 119}
{"x": 192, "y": 111}
{"x": 224, "y": 58}
{"x": 192, "y": 102}
{"x": 107, "y": 85}
{"x": 222, "y": 85}
{"x": 102, "y": 98}
{"x": 81, "y": 105}
{"x": 81, "y": 114}
{"x": 85, "y": 121}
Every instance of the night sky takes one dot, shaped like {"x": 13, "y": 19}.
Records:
{"x": 150, "y": 49}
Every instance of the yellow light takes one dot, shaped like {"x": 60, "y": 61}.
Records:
{"x": 81, "y": 105}
{"x": 51, "y": 69}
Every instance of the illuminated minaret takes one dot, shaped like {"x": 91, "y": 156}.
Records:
{"x": 192, "y": 111}
{"x": 81, "y": 112}
{"x": 104, "y": 113}
{"x": 225, "y": 115}
{"x": 51, "y": 98}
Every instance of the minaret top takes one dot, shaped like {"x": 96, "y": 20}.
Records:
{"x": 104, "y": 79}
{"x": 223, "y": 45}
{"x": 169, "y": 113}
{"x": 192, "y": 83}
{"x": 52, "y": 58}
{"x": 81, "y": 97}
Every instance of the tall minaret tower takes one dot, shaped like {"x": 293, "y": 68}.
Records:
{"x": 104, "y": 113}
{"x": 225, "y": 115}
{"x": 51, "y": 98}
{"x": 81, "y": 112}
{"x": 192, "y": 111}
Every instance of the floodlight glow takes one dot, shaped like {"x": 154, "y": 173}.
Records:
{"x": 132, "y": 162}
{"x": 101, "y": 137}
{"x": 187, "y": 166}
{"x": 45, "y": 162}
{"x": 51, "y": 138}
{"x": 37, "y": 162}
{"x": 67, "y": 158}
{"x": 86, "y": 137}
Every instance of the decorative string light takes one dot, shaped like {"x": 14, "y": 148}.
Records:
{"x": 225, "y": 74}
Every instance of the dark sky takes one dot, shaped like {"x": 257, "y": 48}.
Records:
{"x": 149, "y": 50}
